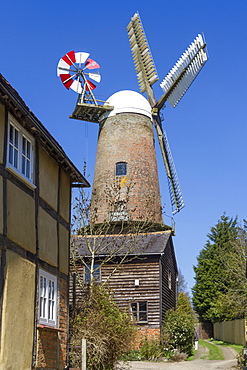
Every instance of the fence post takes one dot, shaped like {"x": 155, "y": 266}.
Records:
{"x": 83, "y": 354}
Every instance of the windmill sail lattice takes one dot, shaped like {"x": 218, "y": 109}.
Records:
{"x": 181, "y": 76}
{"x": 143, "y": 60}
{"x": 176, "y": 197}
{"x": 173, "y": 183}
{"x": 175, "y": 84}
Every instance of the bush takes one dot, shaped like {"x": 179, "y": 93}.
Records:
{"x": 178, "y": 356}
{"x": 132, "y": 355}
{"x": 108, "y": 330}
{"x": 179, "y": 331}
{"x": 151, "y": 349}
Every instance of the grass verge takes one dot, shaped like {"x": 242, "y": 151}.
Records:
{"x": 237, "y": 347}
{"x": 215, "y": 353}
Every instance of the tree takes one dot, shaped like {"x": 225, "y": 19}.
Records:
{"x": 233, "y": 304}
{"x": 109, "y": 332}
{"x": 179, "y": 326}
{"x": 220, "y": 273}
{"x": 184, "y": 304}
{"x": 182, "y": 284}
{"x": 96, "y": 244}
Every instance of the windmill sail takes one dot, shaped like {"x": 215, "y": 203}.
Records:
{"x": 143, "y": 60}
{"x": 177, "y": 201}
{"x": 181, "y": 76}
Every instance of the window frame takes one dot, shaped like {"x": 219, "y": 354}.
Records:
{"x": 117, "y": 164}
{"x": 169, "y": 278}
{"x": 96, "y": 273}
{"x": 17, "y": 140}
{"x": 136, "y": 317}
{"x": 47, "y": 317}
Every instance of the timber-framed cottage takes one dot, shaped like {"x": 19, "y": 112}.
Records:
{"x": 36, "y": 178}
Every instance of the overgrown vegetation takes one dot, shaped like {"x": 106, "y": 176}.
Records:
{"x": 108, "y": 331}
{"x": 242, "y": 361}
{"x": 151, "y": 349}
{"x": 220, "y": 292}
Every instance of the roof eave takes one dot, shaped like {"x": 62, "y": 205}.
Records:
{"x": 11, "y": 97}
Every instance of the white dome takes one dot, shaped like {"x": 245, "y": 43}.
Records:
{"x": 127, "y": 101}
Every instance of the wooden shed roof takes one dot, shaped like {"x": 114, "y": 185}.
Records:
{"x": 145, "y": 244}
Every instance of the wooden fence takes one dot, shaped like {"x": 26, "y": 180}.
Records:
{"x": 231, "y": 331}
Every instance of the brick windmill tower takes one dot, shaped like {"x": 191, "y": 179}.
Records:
{"x": 126, "y": 185}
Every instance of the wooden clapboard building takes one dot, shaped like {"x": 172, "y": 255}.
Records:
{"x": 144, "y": 285}
{"x": 36, "y": 178}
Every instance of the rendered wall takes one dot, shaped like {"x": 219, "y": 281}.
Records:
{"x": 17, "y": 314}
{"x": 2, "y": 120}
{"x": 231, "y": 331}
{"x": 48, "y": 179}
{"x": 48, "y": 243}
{"x": 64, "y": 206}
{"x": 1, "y": 205}
{"x": 20, "y": 217}
{"x": 63, "y": 250}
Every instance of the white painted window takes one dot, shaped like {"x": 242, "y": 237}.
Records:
{"x": 47, "y": 298}
{"x": 20, "y": 155}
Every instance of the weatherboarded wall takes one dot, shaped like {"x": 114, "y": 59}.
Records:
{"x": 231, "y": 331}
{"x": 146, "y": 278}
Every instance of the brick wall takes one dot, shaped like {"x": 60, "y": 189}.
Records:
{"x": 145, "y": 332}
{"x": 52, "y": 342}
{"x": 127, "y": 137}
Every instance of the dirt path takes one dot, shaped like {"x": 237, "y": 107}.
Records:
{"x": 230, "y": 362}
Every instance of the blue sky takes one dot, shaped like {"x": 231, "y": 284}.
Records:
{"x": 207, "y": 131}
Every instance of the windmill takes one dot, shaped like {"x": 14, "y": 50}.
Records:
{"x": 174, "y": 86}
{"x": 77, "y": 71}
{"x": 80, "y": 73}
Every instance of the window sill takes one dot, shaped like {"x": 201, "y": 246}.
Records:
{"x": 16, "y": 173}
{"x": 141, "y": 322}
{"x": 52, "y": 328}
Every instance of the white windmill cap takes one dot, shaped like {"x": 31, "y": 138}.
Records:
{"x": 128, "y": 101}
